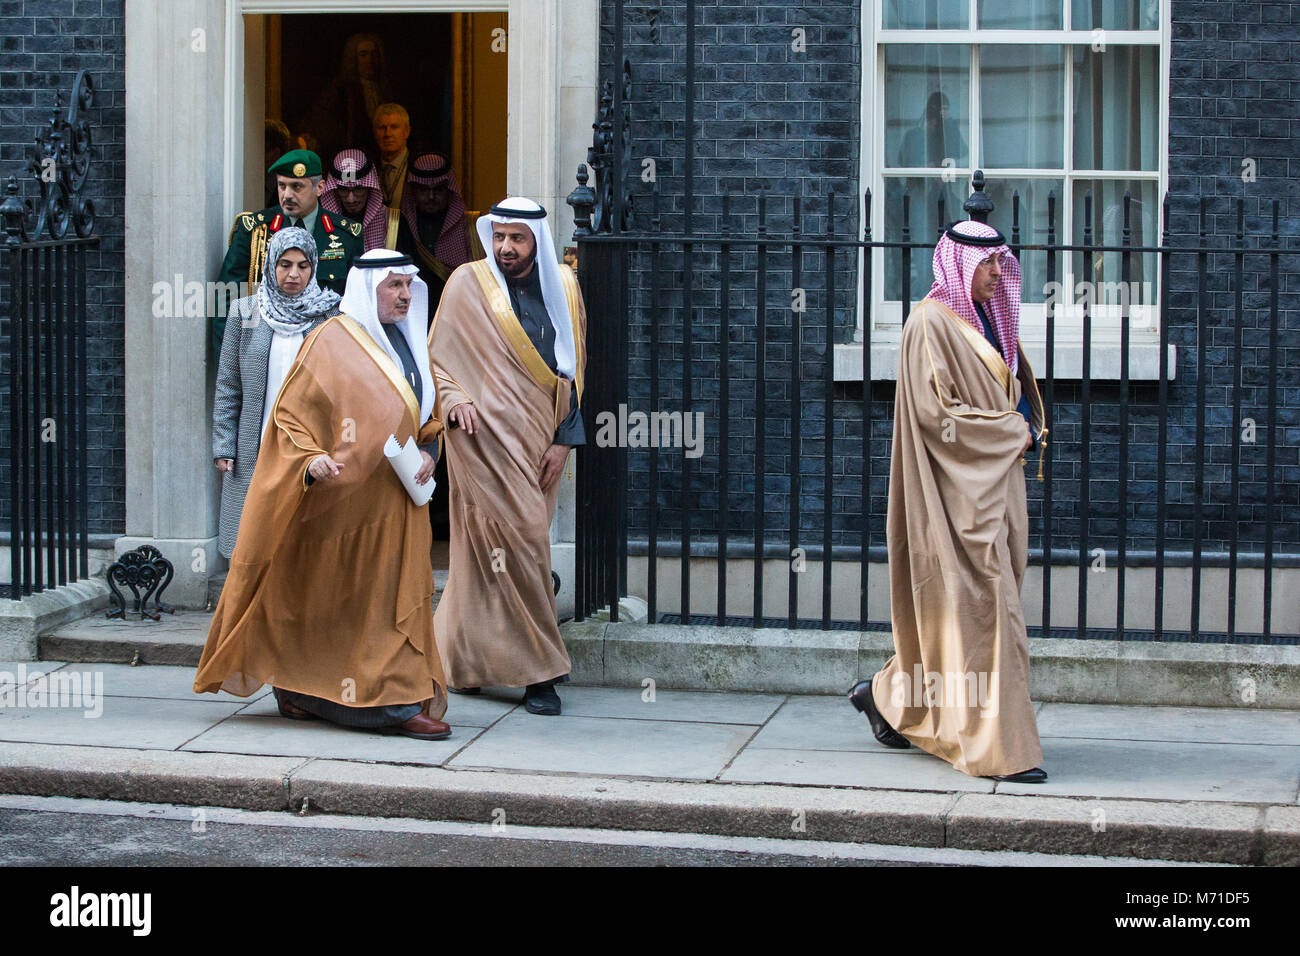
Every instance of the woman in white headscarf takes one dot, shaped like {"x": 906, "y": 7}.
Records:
{"x": 263, "y": 334}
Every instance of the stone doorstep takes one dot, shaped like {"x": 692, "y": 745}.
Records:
{"x": 1155, "y": 830}
{"x": 776, "y": 660}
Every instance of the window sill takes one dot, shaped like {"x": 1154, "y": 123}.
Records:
{"x": 1144, "y": 361}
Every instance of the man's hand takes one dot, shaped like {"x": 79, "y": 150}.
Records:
{"x": 225, "y": 464}
{"x": 464, "y": 416}
{"x": 426, "y": 469}
{"x": 552, "y": 465}
{"x": 323, "y": 468}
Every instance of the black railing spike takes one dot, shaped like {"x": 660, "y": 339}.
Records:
{"x": 943, "y": 220}
{"x": 1275, "y": 207}
{"x": 1051, "y": 216}
{"x": 12, "y": 212}
{"x": 1241, "y": 218}
{"x": 907, "y": 217}
{"x": 582, "y": 199}
{"x": 797, "y": 216}
{"x": 830, "y": 212}
{"x": 762, "y": 213}
{"x": 1015, "y": 217}
{"x": 978, "y": 206}
{"x": 1164, "y": 215}
{"x": 1127, "y": 238}
{"x": 866, "y": 216}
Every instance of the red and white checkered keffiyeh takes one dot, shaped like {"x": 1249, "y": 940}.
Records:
{"x": 374, "y": 221}
{"x": 954, "y": 268}
{"x": 452, "y": 247}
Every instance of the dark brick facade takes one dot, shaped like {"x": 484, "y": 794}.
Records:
{"x": 769, "y": 119}
{"x": 43, "y": 43}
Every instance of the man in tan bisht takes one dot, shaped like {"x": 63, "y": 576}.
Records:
{"x": 967, "y": 410}
{"x": 507, "y": 348}
{"x": 329, "y": 595}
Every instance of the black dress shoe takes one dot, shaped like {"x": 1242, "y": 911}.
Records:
{"x": 542, "y": 699}
{"x": 467, "y": 691}
{"x": 1036, "y": 775}
{"x": 860, "y": 697}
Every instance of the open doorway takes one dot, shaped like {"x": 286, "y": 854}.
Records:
{"x": 326, "y": 73}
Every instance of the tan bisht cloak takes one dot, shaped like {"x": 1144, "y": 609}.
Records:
{"x": 330, "y": 587}
{"x": 496, "y": 619}
{"x": 958, "y": 533}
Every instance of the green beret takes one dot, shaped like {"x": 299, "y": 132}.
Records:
{"x": 298, "y": 163}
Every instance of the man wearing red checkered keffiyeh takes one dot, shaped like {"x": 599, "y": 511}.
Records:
{"x": 957, "y": 526}
{"x": 352, "y": 189}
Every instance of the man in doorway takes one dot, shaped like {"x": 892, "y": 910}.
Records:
{"x": 392, "y": 128}
{"x": 508, "y": 350}
{"x": 338, "y": 240}
{"x": 967, "y": 410}
{"x": 352, "y": 190}
{"x": 432, "y": 230}
{"x": 329, "y": 595}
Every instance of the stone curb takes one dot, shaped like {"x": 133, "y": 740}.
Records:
{"x": 775, "y": 660}
{"x": 23, "y": 621}
{"x": 1158, "y": 830}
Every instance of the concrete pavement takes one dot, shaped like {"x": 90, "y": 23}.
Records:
{"x": 1156, "y": 783}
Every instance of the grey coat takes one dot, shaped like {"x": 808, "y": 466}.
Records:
{"x": 237, "y": 409}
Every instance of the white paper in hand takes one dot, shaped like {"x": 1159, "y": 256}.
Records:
{"x": 406, "y": 461}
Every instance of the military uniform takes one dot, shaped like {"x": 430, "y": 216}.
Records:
{"x": 338, "y": 240}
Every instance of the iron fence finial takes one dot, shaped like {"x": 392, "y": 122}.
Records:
{"x": 978, "y": 206}
{"x": 582, "y": 199}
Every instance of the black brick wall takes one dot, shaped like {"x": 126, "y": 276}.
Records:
{"x": 768, "y": 119}
{"x": 43, "y": 43}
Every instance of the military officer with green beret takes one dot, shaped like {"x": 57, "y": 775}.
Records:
{"x": 299, "y": 184}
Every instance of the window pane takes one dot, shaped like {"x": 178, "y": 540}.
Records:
{"x": 927, "y": 14}
{"x": 1020, "y": 14}
{"x": 1115, "y": 14}
{"x": 927, "y": 95}
{"x": 1107, "y": 229}
{"x": 924, "y": 220}
{"x": 1022, "y": 105}
{"x": 1116, "y": 108}
{"x": 1033, "y": 226}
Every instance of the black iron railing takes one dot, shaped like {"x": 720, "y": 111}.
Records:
{"x": 45, "y": 329}
{"x": 640, "y": 284}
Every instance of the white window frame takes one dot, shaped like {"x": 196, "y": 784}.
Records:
{"x": 886, "y": 330}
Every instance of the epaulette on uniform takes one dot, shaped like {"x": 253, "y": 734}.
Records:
{"x": 244, "y": 219}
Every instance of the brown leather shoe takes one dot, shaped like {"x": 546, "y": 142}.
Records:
{"x": 421, "y": 727}
{"x": 294, "y": 712}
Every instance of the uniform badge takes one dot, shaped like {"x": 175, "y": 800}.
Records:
{"x": 354, "y": 228}
{"x": 277, "y": 222}
{"x": 261, "y": 217}
{"x": 248, "y": 222}
{"x": 299, "y": 169}
{"x": 327, "y": 222}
